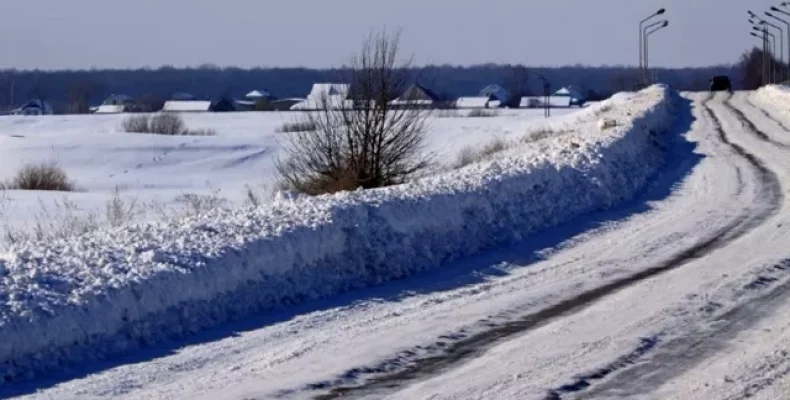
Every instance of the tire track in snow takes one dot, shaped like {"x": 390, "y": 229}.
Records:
{"x": 686, "y": 351}
{"x": 426, "y": 362}
{"x": 766, "y": 114}
{"x": 749, "y": 125}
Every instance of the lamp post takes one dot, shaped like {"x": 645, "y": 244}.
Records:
{"x": 785, "y": 67}
{"x": 546, "y": 95}
{"x": 760, "y": 26}
{"x": 770, "y": 44}
{"x": 656, "y": 27}
{"x": 763, "y": 40}
{"x": 641, "y": 45}
{"x": 756, "y": 27}
{"x": 781, "y": 48}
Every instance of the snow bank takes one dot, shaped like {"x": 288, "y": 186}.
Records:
{"x": 111, "y": 291}
{"x": 774, "y": 97}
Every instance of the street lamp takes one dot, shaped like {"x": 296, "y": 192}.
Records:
{"x": 546, "y": 95}
{"x": 785, "y": 67}
{"x": 772, "y": 41}
{"x": 781, "y": 44}
{"x": 651, "y": 29}
{"x": 641, "y": 45}
{"x": 764, "y": 41}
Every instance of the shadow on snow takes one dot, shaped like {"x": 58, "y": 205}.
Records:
{"x": 470, "y": 271}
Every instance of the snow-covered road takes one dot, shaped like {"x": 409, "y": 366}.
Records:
{"x": 682, "y": 292}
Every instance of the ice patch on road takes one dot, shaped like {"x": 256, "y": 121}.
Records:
{"x": 110, "y": 291}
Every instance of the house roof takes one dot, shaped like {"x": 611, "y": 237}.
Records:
{"x": 37, "y": 104}
{"x": 258, "y": 94}
{"x": 495, "y": 91}
{"x": 472, "y": 102}
{"x": 110, "y": 109}
{"x": 329, "y": 89}
{"x": 419, "y": 94}
{"x": 321, "y": 102}
{"x": 569, "y": 91}
{"x": 187, "y": 106}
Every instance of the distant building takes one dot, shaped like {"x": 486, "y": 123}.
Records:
{"x": 259, "y": 100}
{"x": 323, "y": 95}
{"x": 563, "y": 98}
{"x": 532, "y": 102}
{"x": 221, "y": 104}
{"x": 187, "y": 106}
{"x": 496, "y": 93}
{"x": 418, "y": 96}
{"x": 492, "y": 96}
{"x": 34, "y": 107}
{"x": 116, "y": 104}
{"x": 259, "y": 95}
{"x": 567, "y": 97}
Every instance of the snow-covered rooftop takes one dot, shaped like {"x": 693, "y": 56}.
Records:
{"x": 187, "y": 106}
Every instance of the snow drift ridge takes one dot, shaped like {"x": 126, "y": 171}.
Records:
{"x": 110, "y": 291}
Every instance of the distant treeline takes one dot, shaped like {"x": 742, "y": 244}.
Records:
{"x": 71, "y": 91}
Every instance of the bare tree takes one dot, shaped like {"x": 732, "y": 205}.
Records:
{"x": 361, "y": 139}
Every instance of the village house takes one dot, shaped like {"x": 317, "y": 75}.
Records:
{"x": 34, "y": 107}
{"x": 323, "y": 95}
{"x": 116, "y": 104}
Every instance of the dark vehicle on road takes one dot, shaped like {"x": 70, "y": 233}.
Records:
{"x": 720, "y": 83}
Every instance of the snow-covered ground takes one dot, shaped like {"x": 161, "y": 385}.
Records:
{"x": 156, "y": 169}
{"x": 105, "y": 293}
{"x": 681, "y": 292}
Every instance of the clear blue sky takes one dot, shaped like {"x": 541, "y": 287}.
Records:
{"x": 52, "y": 34}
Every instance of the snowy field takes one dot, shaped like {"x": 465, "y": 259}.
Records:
{"x": 646, "y": 260}
{"x": 158, "y": 170}
{"x": 107, "y": 292}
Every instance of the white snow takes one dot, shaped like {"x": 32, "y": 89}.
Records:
{"x": 472, "y": 102}
{"x": 99, "y": 157}
{"x": 107, "y": 292}
{"x": 110, "y": 109}
{"x": 187, "y": 106}
{"x": 322, "y": 95}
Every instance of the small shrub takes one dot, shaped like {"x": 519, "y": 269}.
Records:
{"x": 314, "y": 185}
{"x": 47, "y": 176}
{"x": 470, "y": 155}
{"x": 539, "y": 134}
{"x": 167, "y": 124}
{"x": 136, "y": 124}
{"x": 64, "y": 218}
{"x": 298, "y": 126}
{"x": 119, "y": 210}
{"x": 482, "y": 113}
{"x": 162, "y": 124}
{"x": 198, "y": 204}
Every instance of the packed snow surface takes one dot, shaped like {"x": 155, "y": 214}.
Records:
{"x": 109, "y": 291}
